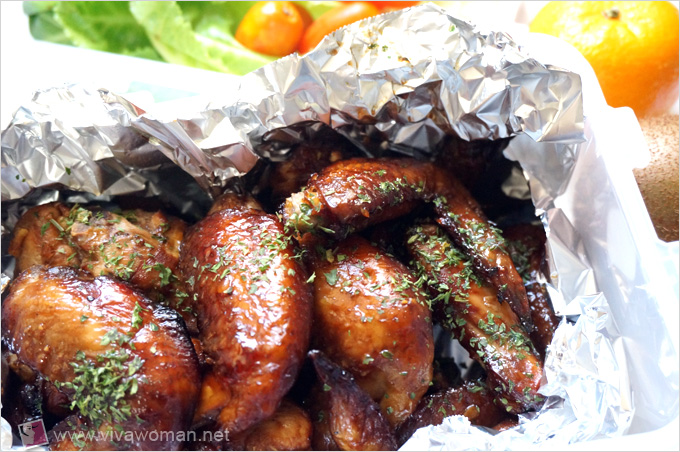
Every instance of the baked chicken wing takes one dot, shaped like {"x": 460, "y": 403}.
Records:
{"x": 471, "y": 399}
{"x": 288, "y": 429}
{"x": 254, "y": 313}
{"x": 352, "y": 194}
{"x": 121, "y": 362}
{"x": 467, "y": 307}
{"x": 526, "y": 244}
{"x": 370, "y": 319}
{"x": 344, "y": 416}
{"x": 289, "y": 176}
{"x": 139, "y": 247}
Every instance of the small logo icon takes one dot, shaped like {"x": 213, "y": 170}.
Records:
{"x": 33, "y": 433}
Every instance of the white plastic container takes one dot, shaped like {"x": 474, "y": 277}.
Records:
{"x": 610, "y": 214}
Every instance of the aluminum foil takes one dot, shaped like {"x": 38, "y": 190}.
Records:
{"x": 397, "y": 82}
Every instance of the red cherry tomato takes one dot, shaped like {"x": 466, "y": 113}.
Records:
{"x": 336, "y": 18}
{"x": 393, "y": 6}
{"x": 272, "y": 28}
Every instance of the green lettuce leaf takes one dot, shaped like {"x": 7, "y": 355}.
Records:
{"x": 216, "y": 20}
{"x": 42, "y": 23}
{"x": 31, "y": 8}
{"x": 105, "y": 26}
{"x": 173, "y": 35}
{"x": 44, "y": 26}
{"x": 197, "y": 34}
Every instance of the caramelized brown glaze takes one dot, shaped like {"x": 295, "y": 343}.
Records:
{"x": 527, "y": 247}
{"x": 469, "y": 308}
{"x": 288, "y": 429}
{"x": 234, "y": 201}
{"x": 344, "y": 416}
{"x": 506, "y": 424}
{"x": 353, "y": 194}
{"x": 289, "y": 176}
{"x": 472, "y": 399}
{"x": 37, "y": 241}
{"x": 254, "y": 311}
{"x": 135, "y": 246}
{"x": 371, "y": 320}
{"x": 68, "y": 326}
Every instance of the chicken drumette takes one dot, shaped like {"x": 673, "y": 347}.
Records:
{"x": 370, "y": 318}
{"x": 139, "y": 247}
{"x": 353, "y": 194}
{"x": 345, "y": 417}
{"x": 118, "y": 361}
{"x": 526, "y": 244}
{"x": 254, "y": 312}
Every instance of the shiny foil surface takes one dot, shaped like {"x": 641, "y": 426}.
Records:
{"x": 400, "y": 81}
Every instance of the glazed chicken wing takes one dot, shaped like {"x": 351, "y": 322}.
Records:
{"x": 469, "y": 308}
{"x": 345, "y": 417}
{"x": 289, "y": 176}
{"x": 370, "y": 319}
{"x": 254, "y": 312}
{"x": 470, "y": 161}
{"x": 38, "y": 239}
{"x": 353, "y": 194}
{"x": 288, "y": 429}
{"x": 135, "y": 246}
{"x": 471, "y": 399}
{"x": 527, "y": 247}
{"x": 119, "y": 360}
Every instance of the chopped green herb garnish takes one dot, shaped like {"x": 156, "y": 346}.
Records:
{"x": 387, "y": 354}
{"x": 332, "y": 277}
{"x": 101, "y": 385}
{"x": 136, "y": 316}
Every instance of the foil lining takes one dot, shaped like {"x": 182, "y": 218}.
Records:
{"x": 397, "y": 82}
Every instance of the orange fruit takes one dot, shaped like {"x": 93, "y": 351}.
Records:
{"x": 272, "y": 28}
{"x": 632, "y": 46}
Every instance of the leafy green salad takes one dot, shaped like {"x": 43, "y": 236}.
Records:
{"x": 197, "y": 34}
